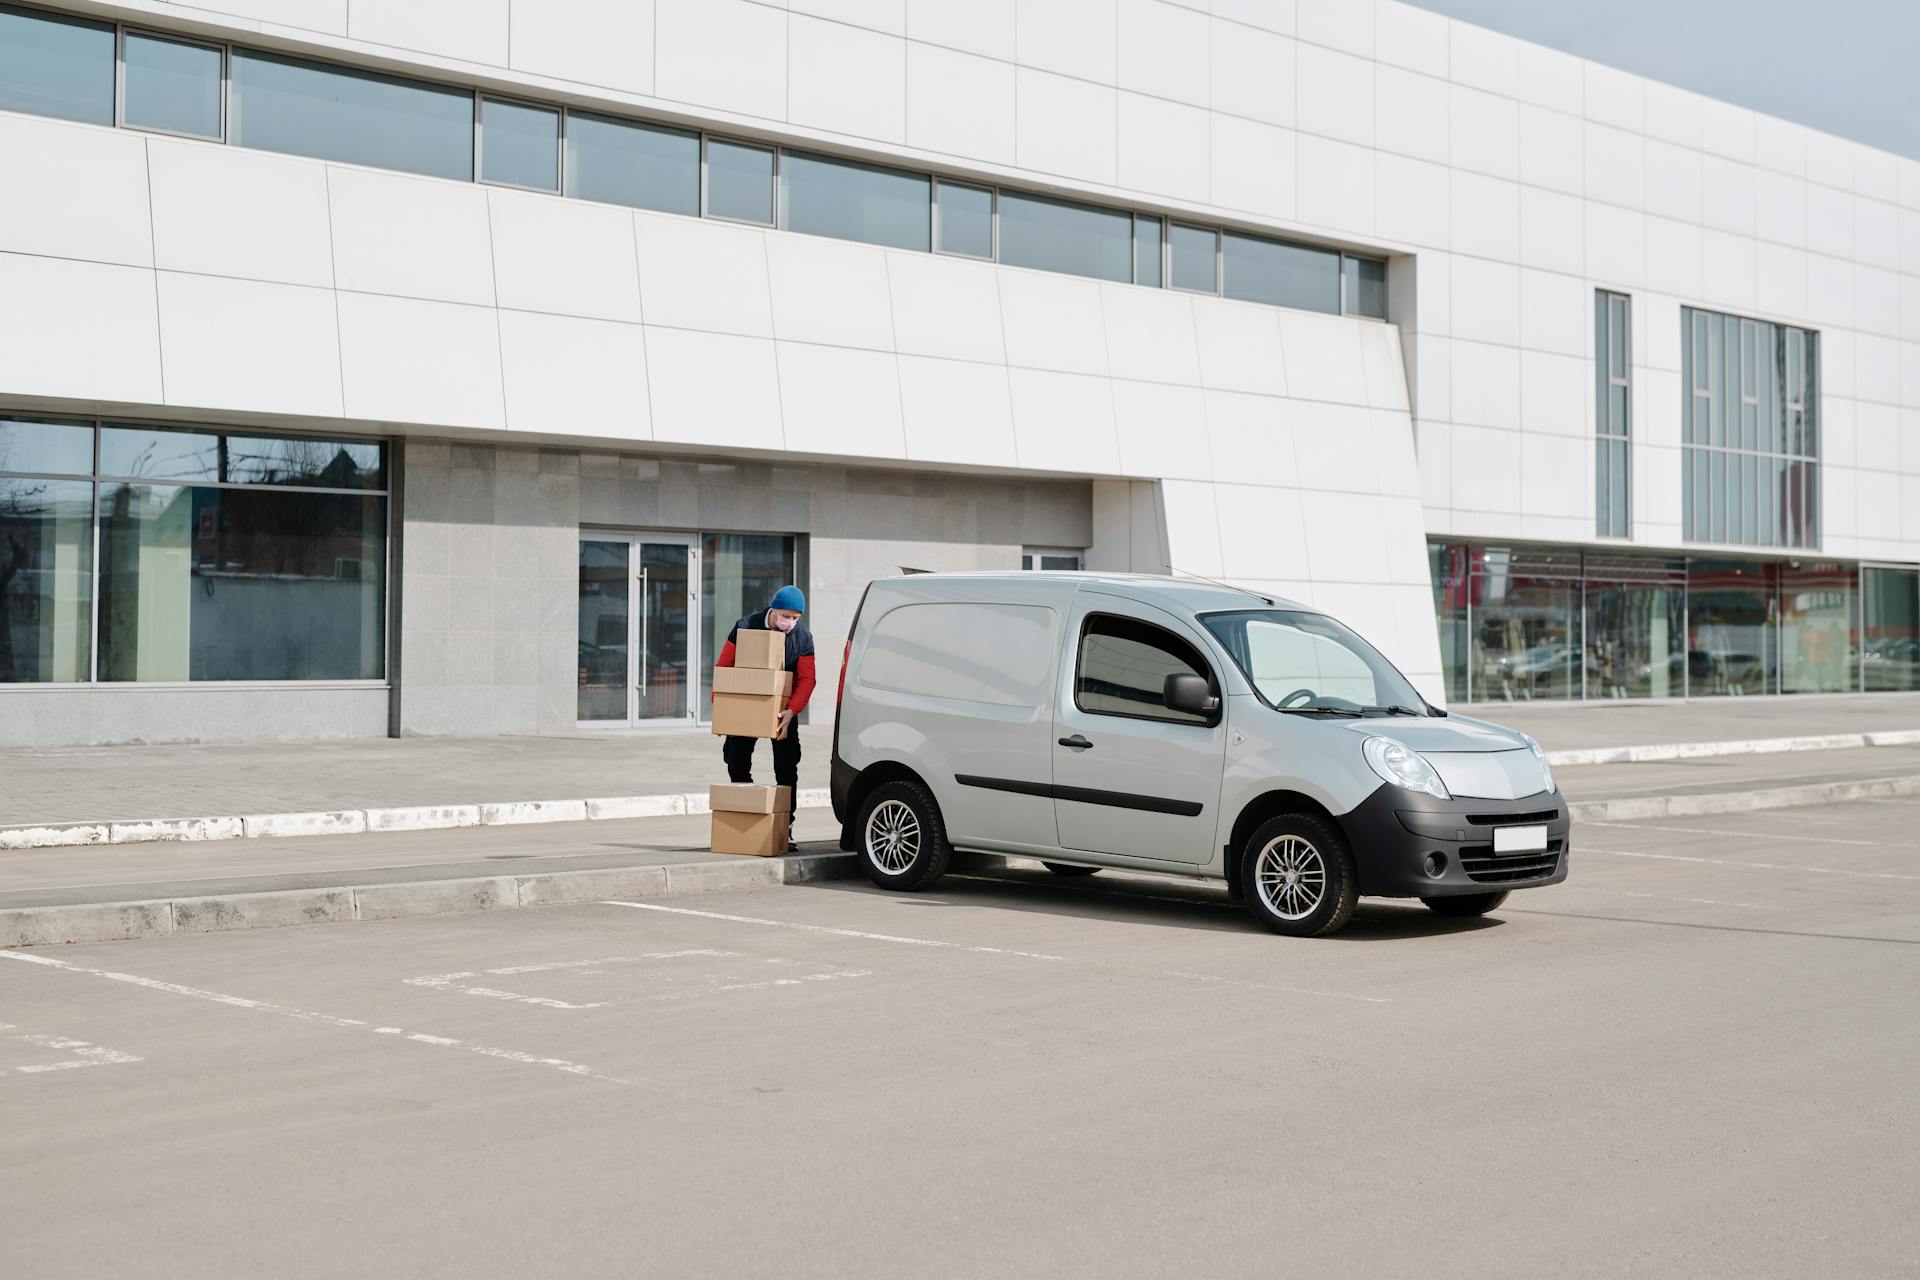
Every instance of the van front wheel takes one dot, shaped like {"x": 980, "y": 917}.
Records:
{"x": 903, "y": 843}
{"x": 1298, "y": 876}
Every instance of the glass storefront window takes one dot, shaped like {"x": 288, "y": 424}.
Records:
{"x": 1633, "y": 640}
{"x": 164, "y": 453}
{"x": 1526, "y": 627}
{"x": 739, "y": 572}
{"x": 46, "y": 448}
{"x": 1890, "y": 639}
{"x": 1731, "y": 647}
{"x": 46, "y": 579}
{"x": 1819, "y": 649}
{"x": 241, "y": 584}
{"x": 1449, "y": 570}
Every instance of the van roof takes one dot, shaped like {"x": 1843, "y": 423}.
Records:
{"x": 1196, "y": 595}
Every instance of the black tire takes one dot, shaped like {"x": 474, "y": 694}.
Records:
{"x": 1068, "y": 869}
{"x": 1325, "y": 852}
{"x": 919, "y": 856}
{"x": 1465, "y": 904}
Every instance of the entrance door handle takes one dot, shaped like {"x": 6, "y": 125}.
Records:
{"x": 1077, "y": 742}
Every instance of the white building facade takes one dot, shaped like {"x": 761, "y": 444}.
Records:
{"x": 466, "y": 366}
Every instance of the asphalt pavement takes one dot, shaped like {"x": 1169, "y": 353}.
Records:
{"x": 1694, "y": 1058}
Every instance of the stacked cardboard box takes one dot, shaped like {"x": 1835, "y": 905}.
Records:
{"x": 749, "y": 819}
{"x": 749, "y": 695}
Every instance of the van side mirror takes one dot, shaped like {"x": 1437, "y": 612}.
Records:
{"x": 1187, "y": 692}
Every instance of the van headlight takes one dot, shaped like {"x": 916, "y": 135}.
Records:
{"x": 1546, "y": 770}
{"x": 1401, "y": 765}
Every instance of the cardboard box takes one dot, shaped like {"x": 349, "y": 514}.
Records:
{"x": 747, "y": 715}
{"x": 760, "y": 835}
{"x": 748, "y": 797}
{"x": 766, "y": 650}
{"x": 752, "y": 680}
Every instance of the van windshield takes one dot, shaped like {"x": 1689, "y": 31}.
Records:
{"x": 1308, "y": 662}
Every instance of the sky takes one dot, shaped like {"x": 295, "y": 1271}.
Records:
{"x": 1845, "y": 66}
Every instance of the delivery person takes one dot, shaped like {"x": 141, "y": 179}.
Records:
{"x": 781, "y": 614}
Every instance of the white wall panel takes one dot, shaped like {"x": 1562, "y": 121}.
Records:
{"x": 1484, "y": 132}
{"x": 244, "y": 345}
{"x": 946, "y": 307}
{"x": 1552, "y": 230}
{"x": 1250, "y": 437}
{"x": 713, "y": 389}
{"x": 1486, "y": 386}
{"x": 1261, "y": 532}
{"x": 1673, "y": 115}
{"x": 1164, "y": 147}
{"x": 1163, "y": 50}
{"x": 960, "y": 103}
{"x": 889, "y": 16}
{"x": 1484, "y": 59}
{"x": 1405, "y": 35}
{"x": 1072, "y": 37}
{"x": 1556, "y": 312}
{"x": 1063, "y": 421}
{"x": 1053, "y": 322}
{"x": 703, "y": 275}
{"x": 1412, "y": 202}
{"x": 1615, "y": 97}
{"x": 1486, "y": 300}
{"x": 474, "y": 30}
{"x": 227, "y": 211}
{"x": 1334, "y": 184}
{"x": 1616, "y": 245}
{"x": 604, "y": 42}
{"x": 985, "y": 27}
{"x": 1065, "y": 126}
{"x": 829, "y": 291}
{"x": 413, "y": 237}
{"x": 1554, "y": 394}
{"x": 1727, "y": 195}
{"x": 1411, "y": 114}
{"x": 1192, "y": 527}
{"x": 407, "y": 360}
{"x": 1674, "y": 263}
{"x": 564, "y": 256}
{"x": 73, "y": 192}
{"x": 1161, "y": 430}
{"x": 1781, "y": 280}
{"x": 1252, "y": 74}
{"x": 1333, "y": 448}
{"x": 329, "y": 16}
{"x": 1239, "y": 346}
{"x": 1727, "y": 269}
{"x": 85, "y": 330}
{"x": 1322, "y": 356}
{"x": 1552, "y": 150}
{"x": 846, "y": 79}
{"x": 1673, "y": 181}
{"x": 1268, "y": 15}
{"x": 840, "y": 401}
{"x": 1337, "y": 24}
{"x": 1486, "y": 469}
{"x": 1333, "y": 94}
{"x": 956, "y": 411}
{"x": 1726, "y": 130}
{"x": 575, "y": 376}
{"x": 1616, "y": 166}
{"x": 727, "y": 54}
{"x": 1150, "y": 334}
{"x": 1486, "y": 216}
{"x": 1551, "y": 78}
{"x": 1385, "y": 367}
{"x": 1253, "y": 166}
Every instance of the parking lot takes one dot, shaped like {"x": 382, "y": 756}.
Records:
{"x": 1696, "y": 1057}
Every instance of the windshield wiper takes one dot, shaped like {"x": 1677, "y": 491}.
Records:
{"x": 1395, "y": 710}
{"x": 1318, "y": 711}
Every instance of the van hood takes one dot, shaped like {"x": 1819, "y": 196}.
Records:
{"x": 1475, "y": 759}
{"x": 1427, "y": 734}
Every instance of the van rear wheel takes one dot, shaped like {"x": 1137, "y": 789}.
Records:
{"x": 903, "y": 843}
{"x": 1298, "y": 876}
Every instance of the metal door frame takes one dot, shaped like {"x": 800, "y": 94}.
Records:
{"x": 636, "y": 627}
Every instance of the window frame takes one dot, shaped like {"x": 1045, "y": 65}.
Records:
{"x": 1173, "y": 227}
{"x": 120, "y": 120}
{"x": 480, "y": 101}
{"x": 1604, "y": 436}
{"x": 773, "y": 188}
{"x": 1035, "y": 554}
{"x": 1204, "y": 667}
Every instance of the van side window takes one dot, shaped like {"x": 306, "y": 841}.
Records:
{"x": 1124, "y": 665}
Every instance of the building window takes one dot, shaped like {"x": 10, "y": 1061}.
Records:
{"x": 1613, "y": 368}
{"x": 1365, "y": 293}
{"x": 172, "y": 86}
{"x": 1149, "y": 248}
{"x": 1282, "y": 275}
{"x": 1056, "y": 235}
{"x": 59, "y": 67}
{"x": 331, "y": 113}
{"x": 1750, "y": 436}
{"x": 519, "y": 145}
{"x": 1890, "y": 630}
{"x": 221, "y": 556}
{"x": 618, "y": 162}
{"x": 825, "y": 197}
{"x": 739, "y": 572}
{"x": 1196, "y": 259}
{"x": 739, "y": 182}
{"x": 965, "y": 218}
{"x": 1050, "y": 559}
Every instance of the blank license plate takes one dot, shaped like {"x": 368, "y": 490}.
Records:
{"x": 1519, "y": 839}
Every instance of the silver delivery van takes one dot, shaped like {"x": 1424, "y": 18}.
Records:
{"x": 1172, "y": 725}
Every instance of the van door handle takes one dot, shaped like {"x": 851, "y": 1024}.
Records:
{"x": 1076, "y": 741}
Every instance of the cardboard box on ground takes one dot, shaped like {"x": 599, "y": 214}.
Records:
{"x": 748, "y": 819}
{"x": 749, "y": 696}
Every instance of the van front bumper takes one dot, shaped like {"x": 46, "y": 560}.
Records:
{"x": 1407, "y": 844}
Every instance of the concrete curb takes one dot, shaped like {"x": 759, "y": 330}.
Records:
{"x": 336, "y": 822}
{"x": 1658, "y": 751}
{"x": 120, "y": 921}
{"x": 1633, "y": 808}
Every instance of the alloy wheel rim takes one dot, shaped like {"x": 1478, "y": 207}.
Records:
{"x": 1292, "y": 877}
{"x": 893, "y": 836}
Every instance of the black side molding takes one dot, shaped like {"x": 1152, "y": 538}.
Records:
{"x": 1085, "y": 795}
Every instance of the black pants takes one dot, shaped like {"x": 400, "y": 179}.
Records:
{"x": 738, "y": 753}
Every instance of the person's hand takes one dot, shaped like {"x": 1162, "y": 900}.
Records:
{"x": 780, "y": 730}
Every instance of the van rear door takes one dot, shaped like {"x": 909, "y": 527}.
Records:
{"x": 1131, "y": 776}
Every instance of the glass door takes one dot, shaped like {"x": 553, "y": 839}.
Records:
{"x": 639, "y": 628}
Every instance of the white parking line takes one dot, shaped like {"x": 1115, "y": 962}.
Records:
{"x": 1752, "y": 835}
{"x": 1756, "y": 866}
{"x": 821, "y": 928}
{"x": 448, "y": 981}
{"x": 87, "y": 1054}
{"x": 308, "y": 1015}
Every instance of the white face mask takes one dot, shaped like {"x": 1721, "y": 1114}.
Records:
{"x": 787, "y": 623}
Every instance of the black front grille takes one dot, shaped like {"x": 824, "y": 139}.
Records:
{"x": 1482, "y": 865}
{"x": 1511, "y": 819}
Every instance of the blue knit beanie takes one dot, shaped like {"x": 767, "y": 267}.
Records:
{"x": 789, "y": 598}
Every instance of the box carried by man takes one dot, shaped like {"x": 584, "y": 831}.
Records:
{"x": 747, "y": 701}
{"x": 750, "y": 820}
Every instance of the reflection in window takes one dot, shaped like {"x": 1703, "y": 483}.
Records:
{"x": 58, "y": 67}
{"x": 1636, "y": 616}
{"x": 240, "y": 584}
{"x": 622, "y": 163}
{"x": 1053, "y": 235}
{"x": 1750, "y": 432}
{"x": 1890, "y": 642}
{"x": 848, "y": 201}
{"x": 157, "y": 453}
{"x": 605, "y": 581}
{"x": 1124, "y": 665}
{"x": 173, "y": 86}
{"x": 1730, "y": 627}
{"x": 739, "y": 573}
{"x": 46, "y": 580}
{"x": 739, "y": 182}
{"x": 1196, "y": 259}
{"x": 966, "y": 220}
{"x": 519, "y": 145}
{"x": 330, "y": 113}
{"x": 1818, "y": 653}
{"x": 1281, "y": 275}
{"x": 56, "y": 448}
{"x": 1526, "y": 626}
{"x": 1448, "y": 568}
